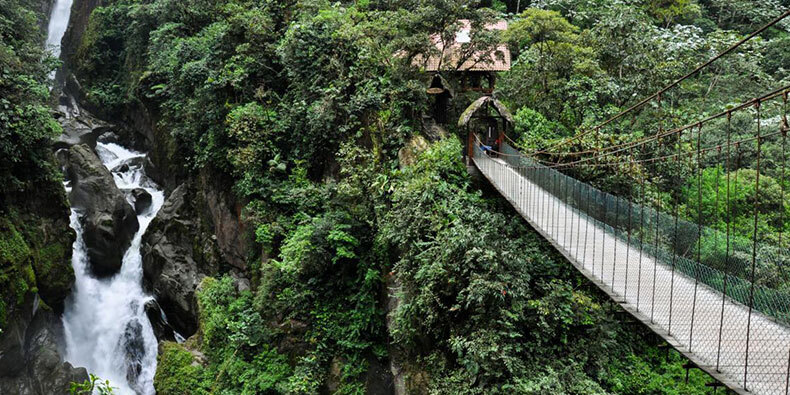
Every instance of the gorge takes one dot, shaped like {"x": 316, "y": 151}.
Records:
{"x": 106, "y": 326}
{"x": 269, "y": 196}
{"x": 105, "y": 320}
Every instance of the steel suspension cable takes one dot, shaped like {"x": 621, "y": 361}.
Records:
{"x": 619, "y": 148}
{"x": 754, "y": 247}
{"x": 699, "y": 235}
{"x": 673, "y": 84}
{"x": 727, "y": 251}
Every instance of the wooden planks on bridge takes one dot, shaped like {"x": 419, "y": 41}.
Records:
{"x": 711, "y": 330}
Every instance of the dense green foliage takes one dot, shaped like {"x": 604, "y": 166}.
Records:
{"x": 484, "y": 306}
{"x": 34, "y": 237}
{"x": 17, "y": 277}
{"x": 579, "y": 74}
{"x": 304, "y": 106}
{"x": 93, "y": 385}
{"x": 26, "y": 124}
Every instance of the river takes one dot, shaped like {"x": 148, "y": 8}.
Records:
{"x": 105, "y": 325}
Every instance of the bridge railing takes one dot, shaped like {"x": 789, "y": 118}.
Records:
{"x": 723, "y": 342}
{"x": 661, "y": 235}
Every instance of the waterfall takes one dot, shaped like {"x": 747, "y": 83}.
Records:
{"x": 106, "y": 328}
{"x": 58, "y": 21}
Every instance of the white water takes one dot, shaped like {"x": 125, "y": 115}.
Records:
{"x": 99, "y": 311}
{"x": 58, "y": 22}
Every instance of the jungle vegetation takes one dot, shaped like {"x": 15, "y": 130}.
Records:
{"x": 360, "y": 261}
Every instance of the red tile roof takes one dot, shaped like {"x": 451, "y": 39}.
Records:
{"x": 496, "y": 60}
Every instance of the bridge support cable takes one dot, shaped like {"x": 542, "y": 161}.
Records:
{"x": 727, "y": 250}
{"x": 675, "y": 243}
{"x": 699, "y": 234}
{"x": 552, "y": 149}
{"x": 739, "y": 337}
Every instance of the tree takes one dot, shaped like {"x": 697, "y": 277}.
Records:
{"x": 552, "y": 58}
{"x": 26, "y": 125}
{"x": 669, "y": 11}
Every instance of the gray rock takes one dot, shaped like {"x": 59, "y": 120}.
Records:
{"x": 134, "y": 351}
{"x": 151, "y": 170}
{"x": 224, "y": 216}
{"x": 142, "y": 200}
{"x": 38, "y": 361}
{"x": 109, "y": 222}
{"x": 79, "y": 127}
{"x": 62, "y": 157}
{"x": 177, "y": 255}
{"x": 240, "y": 282}
{"x": 12, "y": 340}
{"x": 75, "y": 132}
{"x": 48, "y": 373}
{"x": 109, "y": 137}
{"x": 162, "y": 329}
{"x": 407, "y": 155}
{"x": 129, "y": 164}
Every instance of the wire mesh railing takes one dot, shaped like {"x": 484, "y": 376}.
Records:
{"x": 670, "y": 239}
{"x": 653, "y": 261}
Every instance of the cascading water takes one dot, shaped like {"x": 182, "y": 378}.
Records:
{"x": 105, "y": 324}
{"x": 58, "y": 22}
{"x": 106, "y": 328}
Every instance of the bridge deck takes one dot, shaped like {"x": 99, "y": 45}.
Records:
{"x": 662, "y": 298}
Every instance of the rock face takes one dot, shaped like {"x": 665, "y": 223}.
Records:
{"x": 131, "y": 163}
{"x": 30, "y": 357}
{"x": 134, "y": 350}
{"x": 109, "y": 137}
{"x": 83, "y": 129}
{"x": 142, "y": 200}
{"x": 407, "y": 155}
{"x": 162, "y": 329}
{"x": 177, "y": 254}
{"x": 109, "y": 221}
{"x": 78, "y": 23}
{"x": 223, "y": 214}
{"x": 80, "y": 126}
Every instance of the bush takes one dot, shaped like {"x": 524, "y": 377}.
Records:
{"x": 26, "y": 125}
{"x": 533, "y": 130}
{"x": 177, "y": 370}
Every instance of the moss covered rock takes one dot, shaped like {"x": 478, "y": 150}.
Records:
{"x": 177, "y": 369}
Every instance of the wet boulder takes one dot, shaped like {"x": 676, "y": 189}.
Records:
{"x": 48, "y": 373}
{"x": 142, "y": 200}
{"x": 134, "y": 163}
{"x": 62, "y": 158}
{"x": 109, "y": 138}
{"x": 162, "y": 329}
{"x": 177, "y": 255}
{"x": 75, "y": 132}
{"x": 109, "y": 221}
{"x": 133, "y": 345}
{"x": 79, "y": 127}
{"x": 37, "y": 365}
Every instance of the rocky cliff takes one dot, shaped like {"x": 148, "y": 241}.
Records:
{"x": 199, "y": 232}
{"x": 36, "y": 277}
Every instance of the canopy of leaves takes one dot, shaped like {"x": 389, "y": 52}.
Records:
{"x": 26, "y": 125}
{"x": 303, "y": 106}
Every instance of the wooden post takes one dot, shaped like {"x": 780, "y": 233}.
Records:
{"x": 470, "y": 145}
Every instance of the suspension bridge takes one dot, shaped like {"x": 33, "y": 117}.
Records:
{"x": 701, "y": 287}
